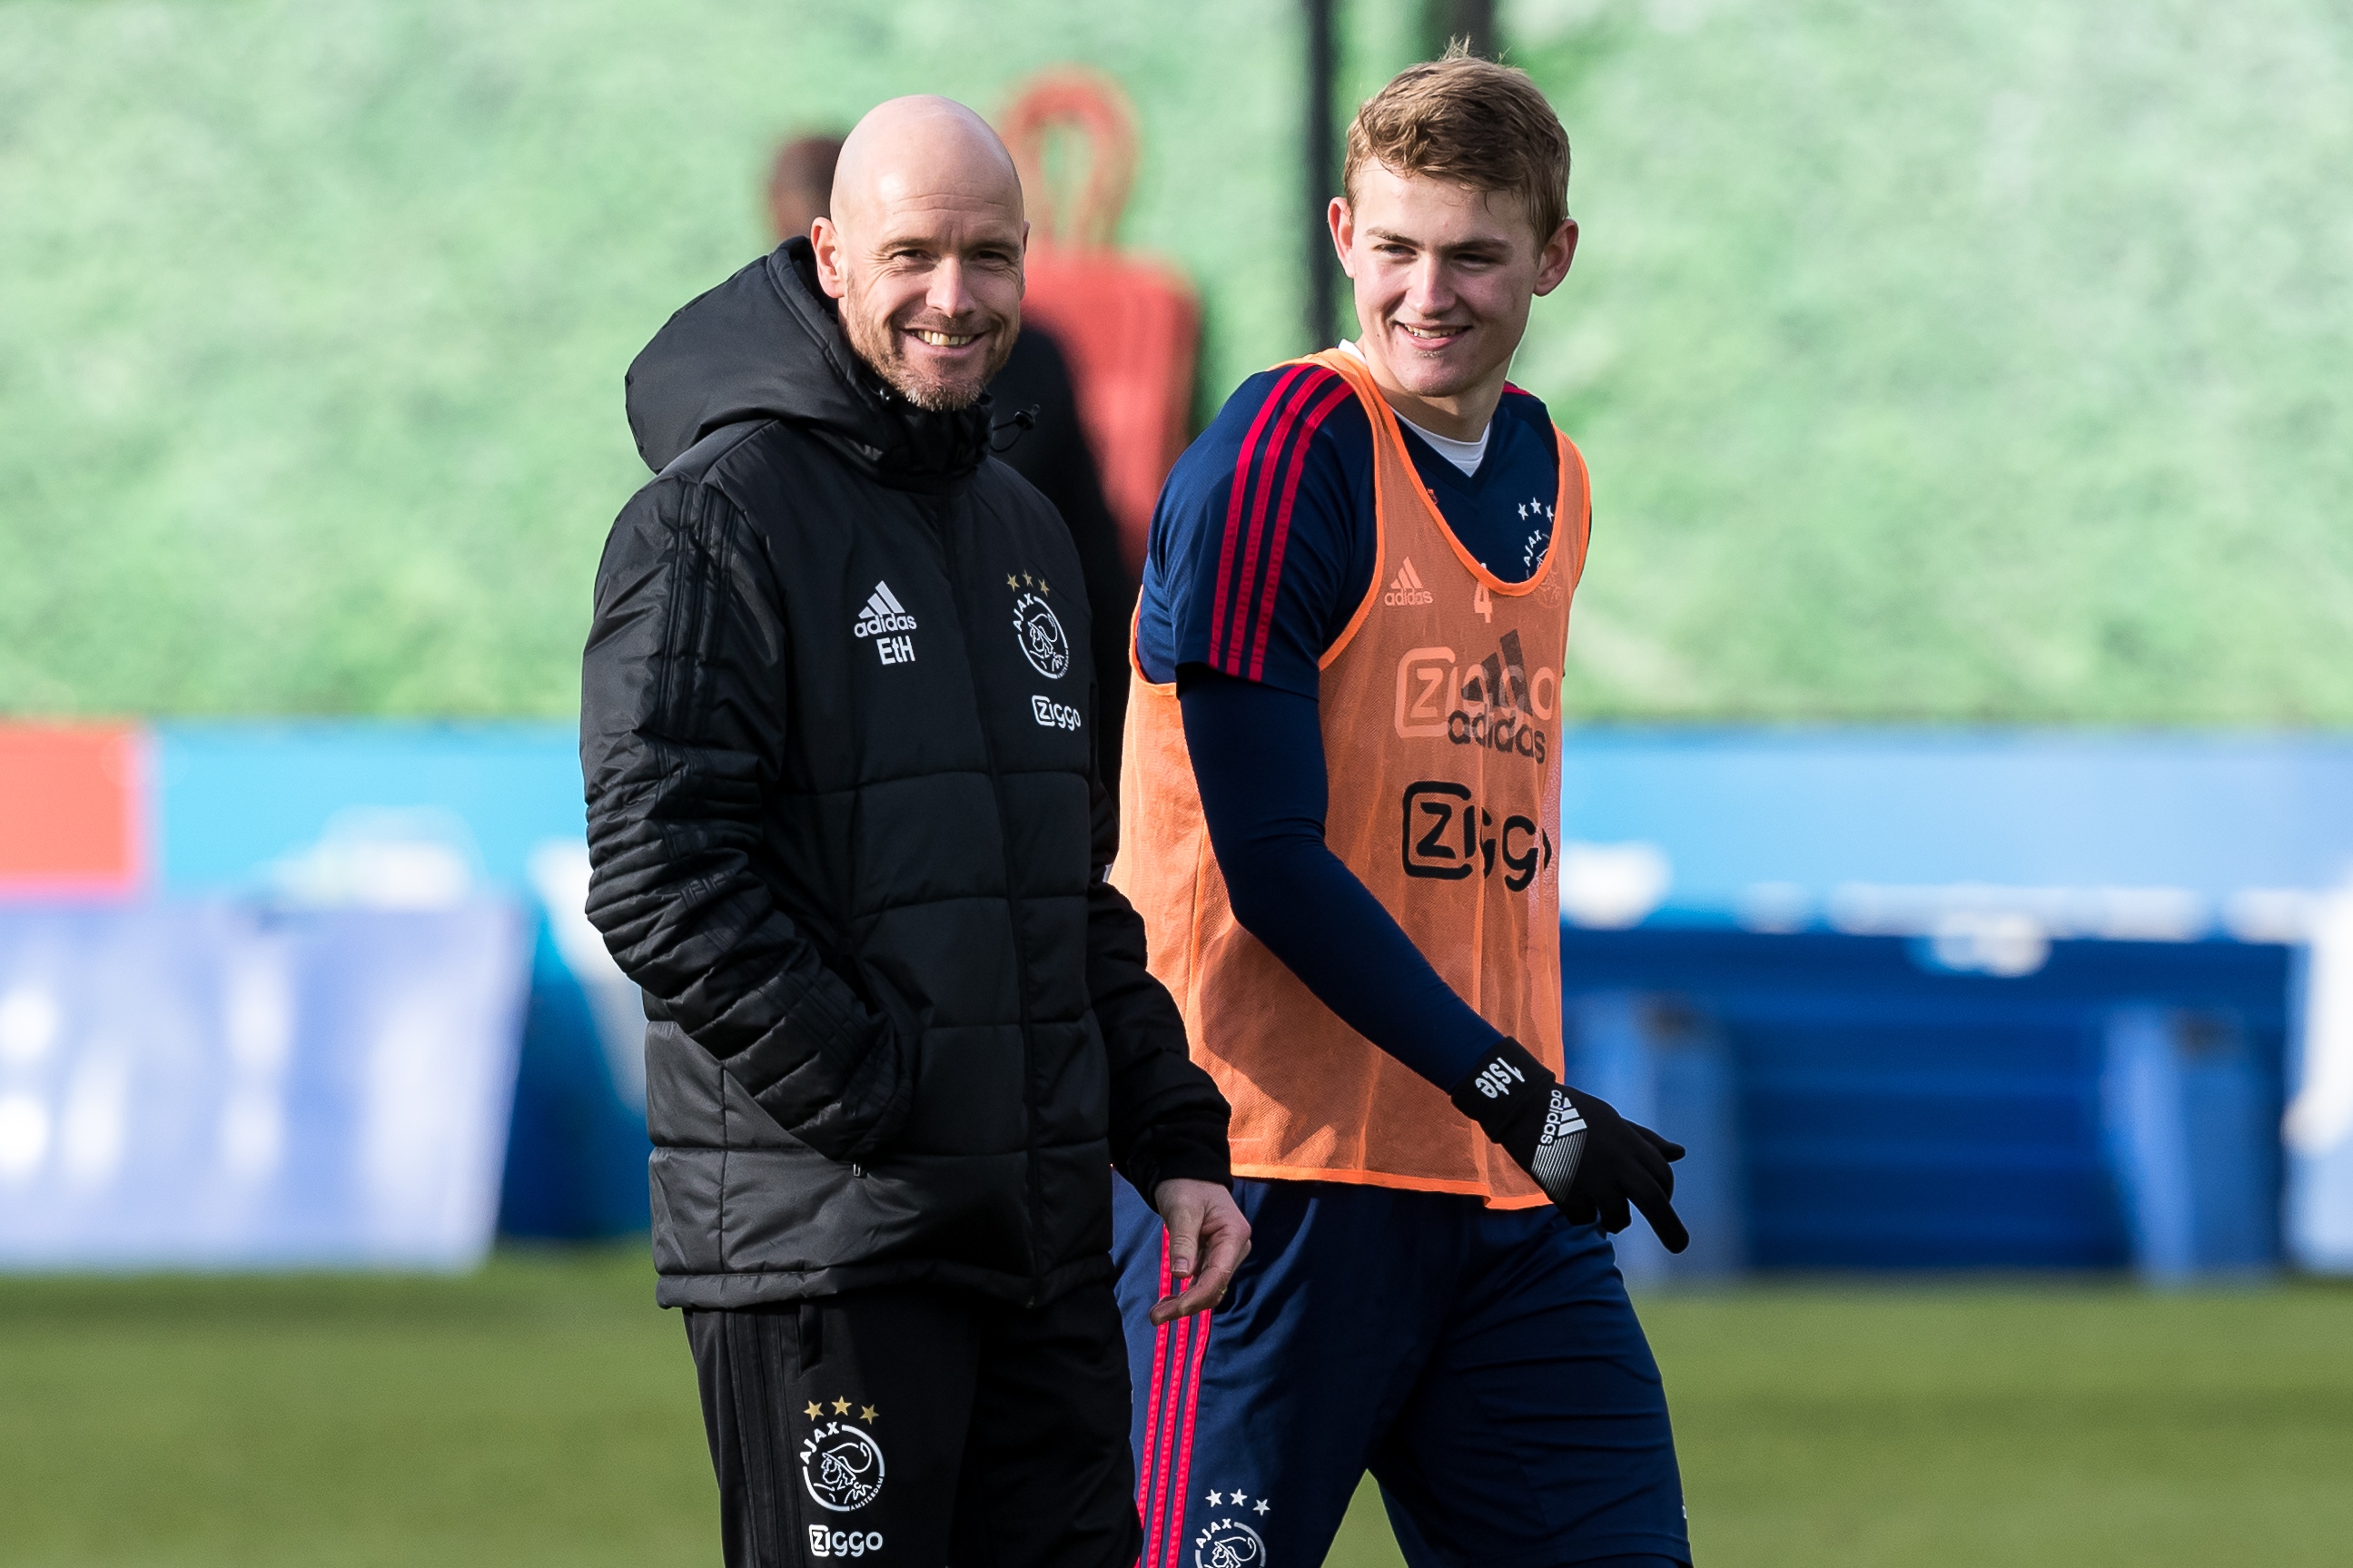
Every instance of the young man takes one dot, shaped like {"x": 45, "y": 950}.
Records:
{"x": 848, "y": 836}
{"x": 1342, "y": 827}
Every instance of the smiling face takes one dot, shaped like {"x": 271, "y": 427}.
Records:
{"x": 923, "y": 249}
{"x": 1444, "y": 275}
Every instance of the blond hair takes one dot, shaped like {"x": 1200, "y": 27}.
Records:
{"x": 1470, "y": 122}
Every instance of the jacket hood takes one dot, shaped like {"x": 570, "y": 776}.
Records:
{"x": 767, "y": 344}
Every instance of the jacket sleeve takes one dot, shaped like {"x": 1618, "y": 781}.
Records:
{"x": 1167, "y": 1118}
{"x": 682, "y": 729}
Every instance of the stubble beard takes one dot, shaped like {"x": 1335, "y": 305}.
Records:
{"x": 875, "y": 339}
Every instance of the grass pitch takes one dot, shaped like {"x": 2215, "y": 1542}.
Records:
{"x": 542, "y": 1412}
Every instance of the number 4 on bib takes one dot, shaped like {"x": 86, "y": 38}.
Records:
{"x": 1483, "y": 605}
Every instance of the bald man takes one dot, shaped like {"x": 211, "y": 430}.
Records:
{"x": 1053, "y": 454}
{"x": 848, "y": 836}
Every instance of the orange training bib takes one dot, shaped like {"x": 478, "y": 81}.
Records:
{"x": 1441, "y": 711}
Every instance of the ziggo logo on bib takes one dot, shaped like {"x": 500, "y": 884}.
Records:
{"x": 824, "y": 1542}
{"x": 1495, "y": 703}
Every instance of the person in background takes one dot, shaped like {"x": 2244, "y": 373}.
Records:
{"x": 800, "y": 185}
{"x": 1052, "y": 454}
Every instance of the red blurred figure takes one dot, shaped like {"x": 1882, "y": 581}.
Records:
{"x": 1131, "y": 327}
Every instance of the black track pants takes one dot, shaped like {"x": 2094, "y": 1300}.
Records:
{"x": 917, "y": 1427}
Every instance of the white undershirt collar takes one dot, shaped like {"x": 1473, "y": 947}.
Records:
{"x": 1465, "y": 455}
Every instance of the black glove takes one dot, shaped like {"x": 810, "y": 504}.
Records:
{"x": 1590, "y": 1162}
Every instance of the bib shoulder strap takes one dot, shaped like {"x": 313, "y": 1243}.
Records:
{"x": 1360, "y": 377}
{"x": 1574, "y": 511}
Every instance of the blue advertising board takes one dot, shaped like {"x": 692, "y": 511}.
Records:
{"x": 352, "y": 813}
{"x": 1914, "y": 997}
{"x": 2007, "y": 998}
{"x": 208, "y": 1084}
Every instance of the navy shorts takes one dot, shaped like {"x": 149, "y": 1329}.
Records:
{"x": 1483, "y": 1364}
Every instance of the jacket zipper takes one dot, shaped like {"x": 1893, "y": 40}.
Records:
{"x": 941, "y": 522}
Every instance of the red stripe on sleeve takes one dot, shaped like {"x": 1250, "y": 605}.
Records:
{"x": 1234, "y": 637}
{"x": 1315, "y": 418}
{"x": 1234, "y": 502}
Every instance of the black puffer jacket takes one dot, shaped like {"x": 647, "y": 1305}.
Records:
{"x": 834, "y": 726}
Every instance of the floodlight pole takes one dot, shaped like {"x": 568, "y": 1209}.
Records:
{"x": 1322, "y": 169}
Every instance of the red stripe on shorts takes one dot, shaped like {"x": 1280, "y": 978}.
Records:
{"x": 1191, "y": 1406}
{"x": 1170, "y": 1410}
{"x": 1147, "y": 1503}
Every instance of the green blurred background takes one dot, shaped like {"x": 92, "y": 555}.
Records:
{"x": 1982, "y": 361}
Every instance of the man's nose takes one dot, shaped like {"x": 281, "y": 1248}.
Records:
{"x": 948, "y": 295}
{"x": 1428, "y": 289}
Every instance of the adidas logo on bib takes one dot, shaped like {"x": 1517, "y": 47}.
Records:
{"x": 1406, "y": 587}
{"x": 883, "y": 617}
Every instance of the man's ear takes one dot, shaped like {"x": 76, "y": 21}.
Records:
{"x": 1553, "y": 261}
{"x": 832, "y": 276}
{"x": 1343, "y": 221}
